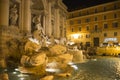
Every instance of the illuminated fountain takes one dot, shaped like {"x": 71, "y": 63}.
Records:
{"x": 40, "y": 56}
{"x": 54, "y": 57}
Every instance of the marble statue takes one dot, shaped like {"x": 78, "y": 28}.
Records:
{"x": 37, "y": 21}
{"x": 13, "y": 15}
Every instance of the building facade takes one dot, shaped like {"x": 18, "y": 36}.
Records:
{"x": 26, "y": 15}
{"x": 95, "y": 25}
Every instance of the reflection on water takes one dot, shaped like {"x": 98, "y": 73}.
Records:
{"x": 101, "y": 68}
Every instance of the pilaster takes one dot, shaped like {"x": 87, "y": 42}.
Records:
{"x": 49, "y": 20}
{"x": 4, "y": 12}
{"x": 57, "y": 23}
{"x": 26, "y": 20}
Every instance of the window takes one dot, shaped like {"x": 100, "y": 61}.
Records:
{"x": 72, "y": 29}
{"x": 88, "y": 44}
{"x": 95, "y": 18}
{"x": 105, "y": 17}
{"x": 115, "y": 6}
{"x": 115, "y": 25}
{"x": 105, "y": 34}
{"x": 105, "y": 26}
{"x": 87, "y": 12}
{"x": 79, "y": 28}
{"x": 96, "y": 27}
{"x": 71, "y": 22}
{"x": 115, "y": 15}
{"x": 104, "y": 8}
{"x": 79, "y": 21}
{"x": 115, "y": 33}
{"x": 80, "y": 36}
{"x": 87, "y": 28}
{"x": 88, "y": 36}
{"x": 87, "y": 20}
{"x": 71, "y": 15}
{"x": 79, "y": 13}
{"x": 95, "y": 10}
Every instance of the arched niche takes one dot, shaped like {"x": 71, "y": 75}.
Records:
{"x": 38, "y": 7}
{"x": 14, "y": 13}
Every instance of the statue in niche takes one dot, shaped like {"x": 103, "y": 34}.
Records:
{"x": 39, "y": 31}
{"x": 37, "y": 21}
{"x": 13, "y": 15}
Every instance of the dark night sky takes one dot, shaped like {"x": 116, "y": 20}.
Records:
{"x": 79, "y": 4}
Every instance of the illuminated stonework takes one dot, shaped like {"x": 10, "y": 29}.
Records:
{"x": 23, "y": 15}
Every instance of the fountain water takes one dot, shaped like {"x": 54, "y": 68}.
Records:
{"x": 36, "y": 58}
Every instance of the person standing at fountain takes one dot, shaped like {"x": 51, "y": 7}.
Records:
{"x": 13, "y": 15}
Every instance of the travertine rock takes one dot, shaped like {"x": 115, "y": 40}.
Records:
{"x": 64, "y": 74}
{"x": 38, "y": 59}
{"x": 4, "y": 76}
{"x": 58, "y": 49}
{"x": 31, "y": 46}
{"x": 48, "y": 77}
{"x": 35, "y": 60}
{"x": 65, "y": 58}
{"x": 78, "y": 56}
{"x": 2, "y": 63}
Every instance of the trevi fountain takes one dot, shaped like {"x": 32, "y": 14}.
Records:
{"x": 37, "y": 55}
{"x": 33, "y": 45}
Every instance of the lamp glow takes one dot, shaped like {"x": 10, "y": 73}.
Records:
{"x": 75, "y": 36}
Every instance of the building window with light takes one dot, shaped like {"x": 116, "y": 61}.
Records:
{"x": 115, "y": 24}
{"x": 105, "y": 34}
{"x": 115, "y": 33}
{"x": 80, "y": 36}
{"x": 87, "y": 35}
{"x": 105, "y": 26}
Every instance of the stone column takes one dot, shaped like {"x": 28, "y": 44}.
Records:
{"x": 26, "y": 16}
{"x": 63, "y": 24}
{"x": 57, "y": 23}
{"x": 4, "y": 12}
{"x": 46, "y": 25}
{"x": 49, "y": 22}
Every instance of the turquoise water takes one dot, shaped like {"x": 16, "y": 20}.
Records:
{"x": 101, "y": 68}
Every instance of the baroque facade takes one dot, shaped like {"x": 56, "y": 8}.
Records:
{"x": 95, "y": 25}
{"x": 27, "y": 15}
